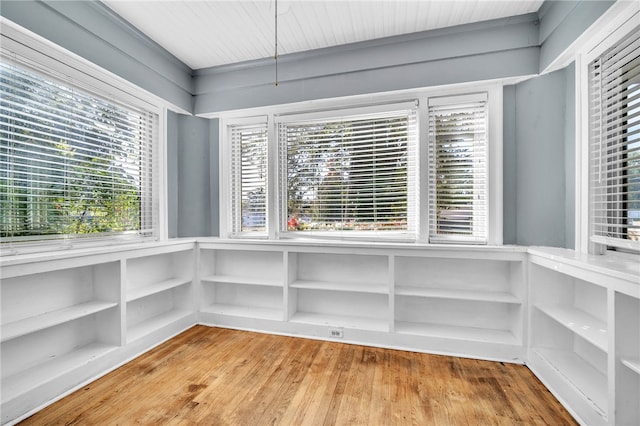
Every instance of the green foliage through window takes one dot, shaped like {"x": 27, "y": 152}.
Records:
{"x": 71, "y": 164}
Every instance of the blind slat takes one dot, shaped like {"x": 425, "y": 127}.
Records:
{"x": 350, "y": 172}
{"x": 458, "y": 171}
{"x": 72, "y": 164}
{"x": 614, "y": 123}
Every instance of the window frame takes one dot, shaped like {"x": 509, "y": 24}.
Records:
{"x": 227, "y": 225}
{"x": 45, "y": 57}
{"x": 439, "y": 103}
{"x": 337, "y": 115}
{"x": 276, "y": 211}
{"x": 618, "y": 22}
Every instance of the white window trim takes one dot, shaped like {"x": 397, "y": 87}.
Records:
{"x": 225, "y": 172}
{"x": 617, "y": 22}
{"x": 44, "y": 54}
{"x": 273, "y": 113}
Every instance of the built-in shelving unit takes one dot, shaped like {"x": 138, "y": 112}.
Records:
{"x": 55, "y": 322}
{"x": 68, "y": 317}
{"x": 585, "y": 335}
{"x": 627, "y": 360}
{"x": 402, "y": 295}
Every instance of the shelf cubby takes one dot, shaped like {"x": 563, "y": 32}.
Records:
{"x": 242, "y": 283}
{"x": 74, "y": 320}
{"x": 627, "y": 364}
{"x": 365, "y": 311}
{"x": 451, "y": 318}
{"x": 260, "y": 268}
{"x": 153, "y": 274}
{"x": 464, "y": 279}
{"x": 477, "y": 300}
{"x": 33, "y": 359}
{"x": 243, "y": 300}
{"x": 159, "y": 292}
{"x": 570, "y": 334}
{"x": 157, "y": 311}
{"x": 354, "y": 273}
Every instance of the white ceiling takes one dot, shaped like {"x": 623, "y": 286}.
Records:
{"x": 209, "y": 33}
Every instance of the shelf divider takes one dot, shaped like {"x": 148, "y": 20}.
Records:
{"x": 40, "y": 322}
{"x": 581, "y": 323}
{"x": 232, "y": 279}
{"x": 456, "y": 332}
{"x": 363, "y": 323}
{"x": 245, "y": 311}
{"x": 35, "y": 376}
{"x": 148, "y": 290}
{"x": 633, "y": 364}
{"x": 473, "y": 295}
{"x": 587, "y": 380}
{"x": 340, "y": 286}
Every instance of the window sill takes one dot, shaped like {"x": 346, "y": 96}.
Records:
{"x": 615, "y": 265}
{"x": 7, "y": 258}
{"x": 358, "y": 244}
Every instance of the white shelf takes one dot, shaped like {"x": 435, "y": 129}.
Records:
{"x": 587, "y": 380}
{"x": 633, "y": 364}
{"x": 362, "y": 323}
{"x": 34, "y": 377}
{"x": 150, "y": 325}
{"x": 456, "y": 332}
{"x": 340, "y": 286}
{"x": 475, "y": 295}
{"x": 245, "y": 311}
{"x": 40, "y": 322}
{"x": 232, "y": 279}
{"x": 148, "y": 290}
{"x": 584, "y": 325}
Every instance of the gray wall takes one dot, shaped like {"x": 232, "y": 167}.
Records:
{"x": 538, "y": 114}
{"x": 173, "y": 153}
{"x": 562, "y": 22}
{"x": 493, "y": 49}
{"x": 538, "y": 176}
{"x": 192, "y": 176}
{"x": 93, "y": 31}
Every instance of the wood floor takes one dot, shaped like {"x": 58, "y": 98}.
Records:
{"x": 214, "y": 376}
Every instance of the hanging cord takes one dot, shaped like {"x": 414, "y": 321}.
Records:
{"x": 276, "y": 39}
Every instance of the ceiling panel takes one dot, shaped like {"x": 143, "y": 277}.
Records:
{"x": 209, "y": 33}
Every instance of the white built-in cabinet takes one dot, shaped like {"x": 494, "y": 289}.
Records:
{"x": 585, "y": 333}
{"x": 69, "y": 317}
{"x": 464, "y": 301}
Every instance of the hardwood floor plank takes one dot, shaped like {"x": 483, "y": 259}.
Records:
{"x": 215, "y": 376}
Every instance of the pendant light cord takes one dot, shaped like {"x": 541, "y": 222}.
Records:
{"x": 276, "y": 39}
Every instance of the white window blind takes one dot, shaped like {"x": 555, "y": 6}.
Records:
{"x": 350, "y": 173}
{"x": 614, "y": 126}
{"x": 249, "y": 178}
{"x": 458, "y": 146}
{"x": 72, "y": 164}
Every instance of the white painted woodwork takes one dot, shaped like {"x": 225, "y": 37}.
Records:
{"x": 209, "y": 33}
{"x": 585, "y": 332}
{"x": 69, "y": 317}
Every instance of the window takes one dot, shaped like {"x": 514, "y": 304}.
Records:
{"x": 428, "y": 169}
{"x": 458, "y": 148}
{"x": 614, "y": 134}
{"x": 249, "y": 178}
{"x": 72, "y": 164}
{"x": 349, "y": 173}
